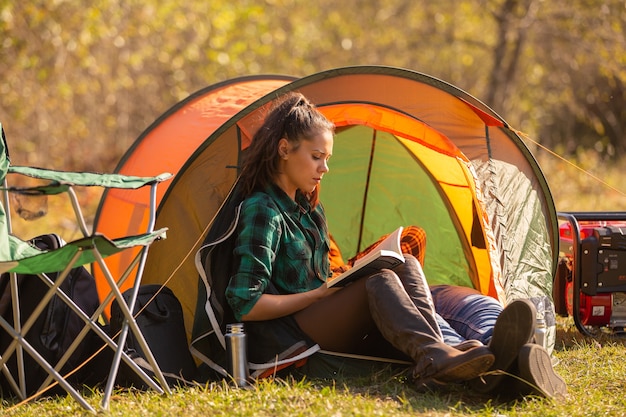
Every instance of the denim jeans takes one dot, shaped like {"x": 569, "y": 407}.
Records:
{"x": 463, "y": 313}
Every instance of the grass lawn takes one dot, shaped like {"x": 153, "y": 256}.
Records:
{"x": 593, "y": 368}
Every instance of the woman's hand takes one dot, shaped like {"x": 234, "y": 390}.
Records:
{"x": 323, "y": 291}
{"x": 272, "y": 306}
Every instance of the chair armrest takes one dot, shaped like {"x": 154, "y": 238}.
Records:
{"x": 31, "y": 260}
{"x": 64, "y": 179}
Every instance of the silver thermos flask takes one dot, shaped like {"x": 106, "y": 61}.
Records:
{"x": 540, "y": 332}
{"x": 236, "y": 354}
{"x": 540, "y": 326}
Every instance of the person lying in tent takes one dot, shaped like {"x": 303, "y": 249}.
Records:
{"x": 466, "y": 318}
{"x": 521, "y": 367}
{"x": 282, "y": 263}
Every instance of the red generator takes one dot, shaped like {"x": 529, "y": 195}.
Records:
{"x": 592, "y": 264}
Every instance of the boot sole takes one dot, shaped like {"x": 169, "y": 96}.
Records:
{"x": 535, "y": 368}
{"x": 514, "y": 328}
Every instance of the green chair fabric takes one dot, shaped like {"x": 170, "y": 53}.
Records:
{"x": 19, "y": 256}
{"x": 31, "y": 260}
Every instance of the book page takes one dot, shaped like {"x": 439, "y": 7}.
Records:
{"x": 387, "y": 254}
{"x": 391, "y": 243}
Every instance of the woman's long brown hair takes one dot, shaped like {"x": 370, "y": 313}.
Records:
{"x": 292, "y": 117}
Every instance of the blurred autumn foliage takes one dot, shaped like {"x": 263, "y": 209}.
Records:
{"x": 80, "y": 80}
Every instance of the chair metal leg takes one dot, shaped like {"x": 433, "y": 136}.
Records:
{"x": 90, "y": 323}
{"x": 19, "y": 343}
{"x": 129, "y": 322}
{"x": 19, "y": 338}
{"x": 128, "y": 309}
{"x": 19, "y": 331}
{"x": 17, "y": 323}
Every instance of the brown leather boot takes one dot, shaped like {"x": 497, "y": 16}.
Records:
{"x": 514, "y": 328}
{"x": 537, "y": 375}
{"x": 404, "y": 326}
{"x": 414, "y": 282}
{"x": 468, "y": 344}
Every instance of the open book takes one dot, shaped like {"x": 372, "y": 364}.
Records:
{"x": 388, "y": 254}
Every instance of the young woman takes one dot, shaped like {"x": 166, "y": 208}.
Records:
{"x": 281, "y": 263}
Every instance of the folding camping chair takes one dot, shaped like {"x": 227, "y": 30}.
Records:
{"x": 18, "y": 256}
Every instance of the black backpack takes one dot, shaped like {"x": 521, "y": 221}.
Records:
{"x": 159, "y": 316}
{"x": 56, "y": 328}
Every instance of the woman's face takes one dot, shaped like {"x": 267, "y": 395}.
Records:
{"x": 304, "y": 167}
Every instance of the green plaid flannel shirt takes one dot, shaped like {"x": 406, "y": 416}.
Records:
{"x": 281, "y": 242}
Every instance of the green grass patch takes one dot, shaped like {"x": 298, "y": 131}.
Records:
{"x": 594, "y": 369}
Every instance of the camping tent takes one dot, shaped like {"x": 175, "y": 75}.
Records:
{"x": 166, "y": 145}
{"x": 409, "y": 149}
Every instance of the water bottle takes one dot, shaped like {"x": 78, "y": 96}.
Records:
{"x": 237, "y": 365}
{"x": 540, "y": 332}
{"x": 540, "y": 324}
